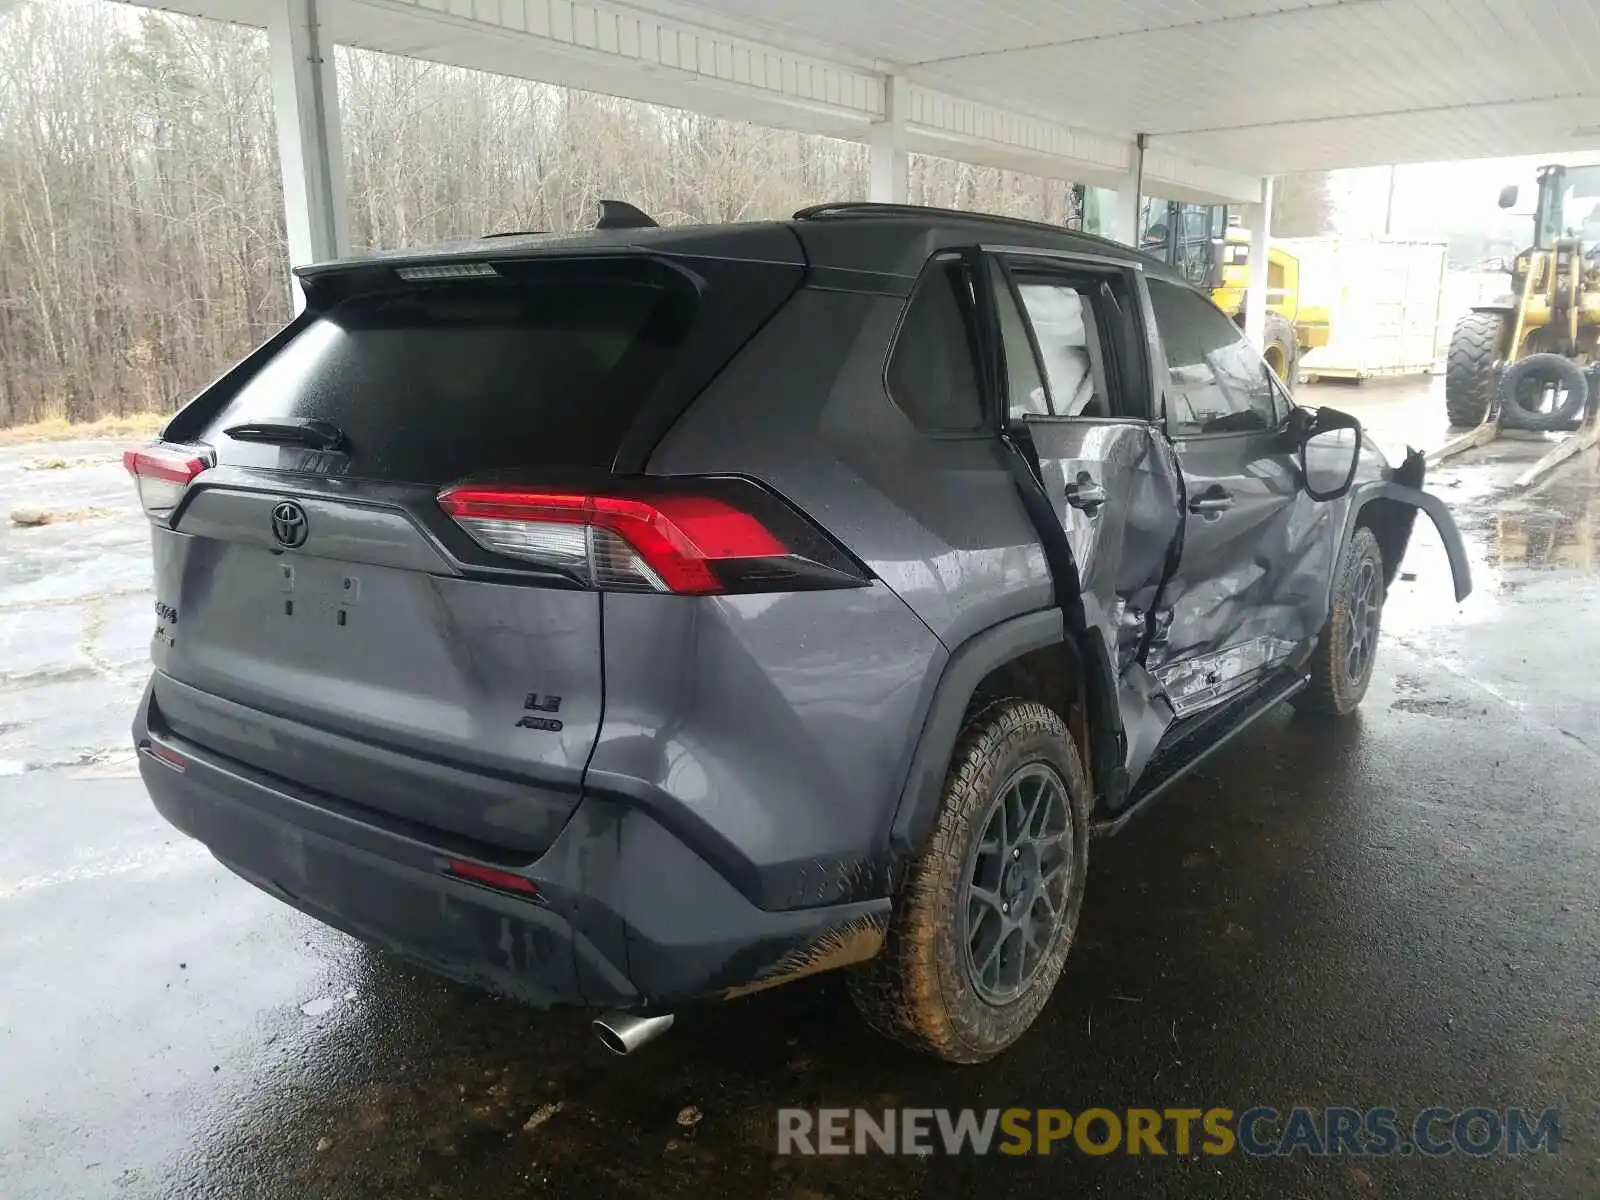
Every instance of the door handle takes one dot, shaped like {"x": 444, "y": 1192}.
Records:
{"x": 1210, "y": 502}
{"x": 1085, "y": 493}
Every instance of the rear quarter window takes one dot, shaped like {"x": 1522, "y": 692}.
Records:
{"x": 933, "y": 368}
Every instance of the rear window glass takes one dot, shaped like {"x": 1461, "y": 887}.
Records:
{"x": 437, "y": 383}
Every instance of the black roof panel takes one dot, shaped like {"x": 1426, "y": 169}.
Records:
{"x": 890, "y": 239}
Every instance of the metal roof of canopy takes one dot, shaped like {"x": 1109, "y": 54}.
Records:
{"x": 1264, "y": 86}
{"x": 1226, "y": 90}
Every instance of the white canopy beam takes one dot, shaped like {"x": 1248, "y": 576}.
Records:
{"x": 888, "y": 163}
{"x": 1255, "y": 291}
{"x": 310, "y": 154}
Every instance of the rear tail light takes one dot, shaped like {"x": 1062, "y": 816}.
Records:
{"x": 163, "y": 472}
{"x": 694, "y": 537}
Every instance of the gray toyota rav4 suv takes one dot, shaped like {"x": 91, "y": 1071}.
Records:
{"x": 652, "y": 615}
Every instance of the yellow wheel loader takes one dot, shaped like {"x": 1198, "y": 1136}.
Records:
{"x": 1553, "y": 308}
{"x": 1530, "y": 361}
{"x": 1214, "y": 253}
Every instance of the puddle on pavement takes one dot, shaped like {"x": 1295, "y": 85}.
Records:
{"x": 1513, "y": 536}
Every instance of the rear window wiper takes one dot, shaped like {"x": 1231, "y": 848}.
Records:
{"x": 290, "y": 431}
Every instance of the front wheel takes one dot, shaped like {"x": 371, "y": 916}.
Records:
{"x": 986, "y": 914}
{"x": 1341, "y": 665}
{"x": 1469, "y": 375}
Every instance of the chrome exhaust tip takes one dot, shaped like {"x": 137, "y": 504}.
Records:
{"x": 625, "y": 1032}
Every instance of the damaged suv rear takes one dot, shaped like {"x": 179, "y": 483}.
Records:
{"x": 642, "y": 616}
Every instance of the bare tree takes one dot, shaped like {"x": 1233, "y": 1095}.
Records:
{"x": 1302, "y": 205}
{"x": 142, "y": 245}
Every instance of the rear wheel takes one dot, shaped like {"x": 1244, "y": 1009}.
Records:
{"x": 1341, "y": 665}
{"x": 1469, "y": 368}
{"x": 1279, "y": 348}
{"x": 986, "y": 914}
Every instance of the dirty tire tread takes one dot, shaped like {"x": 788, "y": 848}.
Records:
{"x": 1330, "y": 692}
{"x": 1278, "y": 329}
{"x": 1469, "y": 367}
{"x": 916, "y": 989}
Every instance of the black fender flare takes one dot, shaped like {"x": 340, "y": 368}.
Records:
{"x": 1404, "y": 493}
{"x": 972, "y": 660}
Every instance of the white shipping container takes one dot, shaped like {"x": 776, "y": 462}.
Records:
{"x": 1382, "y": 300}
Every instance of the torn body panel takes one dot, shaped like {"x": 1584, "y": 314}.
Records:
{"x": 1255, "y": 581}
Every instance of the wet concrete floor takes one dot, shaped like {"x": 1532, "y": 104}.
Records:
{"x": 1402, "y": 910}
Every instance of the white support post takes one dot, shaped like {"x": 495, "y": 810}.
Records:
{"x": 1255, "y": 291}
{"x": 305, "y": 97}
{"x": 1126, "y": 217}
{"x": 888, "y": 164}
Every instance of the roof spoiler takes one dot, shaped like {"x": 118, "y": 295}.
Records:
{"x": 619, "y": 214}
{"x": 614, "y": 214}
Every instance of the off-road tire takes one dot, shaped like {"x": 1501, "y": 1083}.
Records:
{"x": 1332, "y": 691}
{"x": 1469, "y": 381}
{"x": 917, "y": 990}
{"x": 1278, "y": 342}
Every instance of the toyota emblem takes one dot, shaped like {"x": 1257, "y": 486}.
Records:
{"x": 289, "y": 523}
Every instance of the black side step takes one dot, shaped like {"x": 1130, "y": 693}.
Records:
{"x": 1190, "y": 742}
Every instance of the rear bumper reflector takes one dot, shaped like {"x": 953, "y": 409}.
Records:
{"x": 503, "y": 881}
{"x": 167, "y": 758}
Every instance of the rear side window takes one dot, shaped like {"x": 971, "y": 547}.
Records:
{"x": 1068, "y": 337}
{"x": 933, "y": 370}
{"x": 433, "y": 384}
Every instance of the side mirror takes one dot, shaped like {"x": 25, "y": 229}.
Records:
{"x": 1508, "y": 196}
{"x": 1330, "y": 451}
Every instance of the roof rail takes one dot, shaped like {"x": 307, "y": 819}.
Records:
{"x": 870, "y": 208}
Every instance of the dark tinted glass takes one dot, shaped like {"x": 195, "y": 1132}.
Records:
{"x": 933, "y": 374}
{"x": 434, "y": 384}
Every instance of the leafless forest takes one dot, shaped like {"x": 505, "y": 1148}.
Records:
{"x": 141, "y": 235}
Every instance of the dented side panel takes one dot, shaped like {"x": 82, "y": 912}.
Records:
{"x": 1252, "y": 583}
{"x": 1120, "y": 548}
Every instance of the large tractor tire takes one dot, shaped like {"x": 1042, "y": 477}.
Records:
{"x": 1469, "y": 369}
{"x": 1279, "y": 348}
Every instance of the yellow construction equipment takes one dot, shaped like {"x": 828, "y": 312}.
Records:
{"x": 1213, "y": 252}
{"x": 1529, "y": 360}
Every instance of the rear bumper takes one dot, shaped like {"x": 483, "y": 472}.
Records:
{"x": 626, "y": 916}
